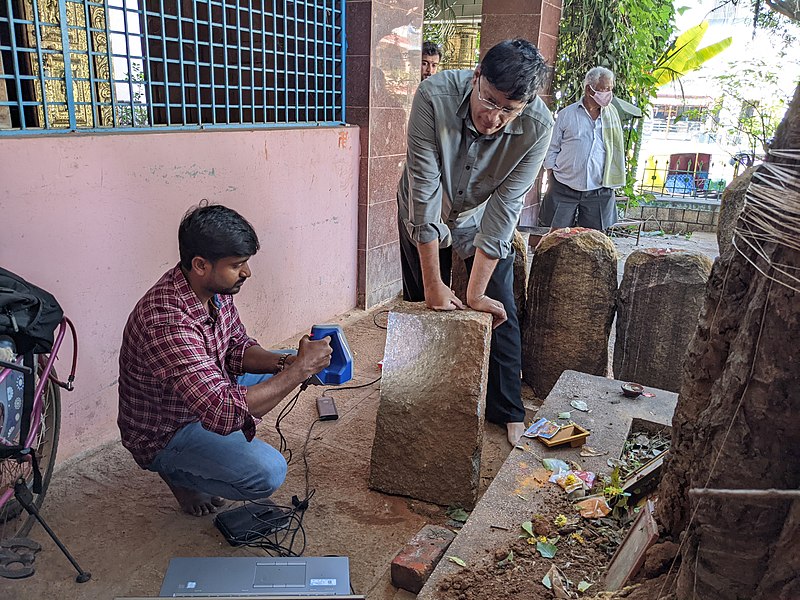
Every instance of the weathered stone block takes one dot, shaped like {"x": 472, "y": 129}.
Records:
{"x": 690, "y": 216}
{"x": 521, "y": 271}
{"x": 648, "y": 212}
{"x": 715, "y": 218}
{"x": 676, "y": 214}
{"x": 415, "y": 562}
{"x": 429, "y": 427}
{"x": 634, "y": 212}
{"x": 679, "y": 227}
{"x": 521, "y": 268}
{"x": 459, "y": 278}
{"x": 658, "y": 307}
{"x": 651, "y": 225}
{"x": 705, "y": 217}
{"x": 662, "y": 214}
{"x": 571, "y": 293}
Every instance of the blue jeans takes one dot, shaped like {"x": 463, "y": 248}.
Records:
{"x": 222, "y": 465}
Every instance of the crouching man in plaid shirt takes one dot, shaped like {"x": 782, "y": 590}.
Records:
{"x": 192, "y": 384}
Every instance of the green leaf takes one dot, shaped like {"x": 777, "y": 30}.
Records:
{"x": 546, "y": 549}
{"x": 683, "y": 55}
{"x": 707, "y": 53}
{"x": 458, "y": 514}
{"x": 507, "y": 560}
{"x": 460, "y": 562}
{"x": 583, "y": 586}
{"x": 527, "y": 527}
{"x": 546, "y": 581}
{"x": 554, "y": 464}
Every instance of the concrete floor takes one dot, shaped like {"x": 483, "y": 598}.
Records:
{"x": 123, "y": 525}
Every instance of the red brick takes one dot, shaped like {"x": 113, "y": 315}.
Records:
{"x": 415, "y": 563}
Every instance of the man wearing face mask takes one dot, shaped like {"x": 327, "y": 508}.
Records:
{"x": 586, "y": 159}
{"x": 476, "y": 141}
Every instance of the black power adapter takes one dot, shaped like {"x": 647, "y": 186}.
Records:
{"x": 327, "y": 409}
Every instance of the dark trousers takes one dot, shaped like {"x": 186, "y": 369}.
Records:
{"x": 564, "y": 207}
{"x": 503, "y": 399}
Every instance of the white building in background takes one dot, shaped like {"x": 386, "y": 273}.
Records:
{"x": 689, "y": 125}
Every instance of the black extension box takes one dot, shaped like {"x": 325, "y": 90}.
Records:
{"x": 251, "y": 522}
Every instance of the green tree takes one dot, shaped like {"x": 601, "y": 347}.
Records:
{"x": 751, "y": 104}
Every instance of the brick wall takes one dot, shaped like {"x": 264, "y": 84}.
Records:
{"x": 671, "y": 219}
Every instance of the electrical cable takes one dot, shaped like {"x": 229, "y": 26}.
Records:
{"x": 326, "y": 391}
{"x": 375, "y": 318}
{"x": 286, "y": 528}
{"x": 288, "y": 407}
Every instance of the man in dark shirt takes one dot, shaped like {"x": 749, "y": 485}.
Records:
{"x": 183, "y": 409}
{"x": 476, "y": 141}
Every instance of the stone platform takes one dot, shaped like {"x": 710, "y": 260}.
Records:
{"x": 609, "y": 420}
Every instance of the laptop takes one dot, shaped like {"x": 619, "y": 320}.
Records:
{"x": 250, "y": 576}
{"x": 304, "y": 597}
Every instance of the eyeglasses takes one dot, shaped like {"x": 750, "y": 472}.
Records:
{"x": 505, "y": 111}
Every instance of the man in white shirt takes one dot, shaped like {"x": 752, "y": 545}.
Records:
{"x": 586, "y": 159}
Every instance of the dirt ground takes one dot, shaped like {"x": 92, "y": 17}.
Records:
{"x": 122, "y": 524}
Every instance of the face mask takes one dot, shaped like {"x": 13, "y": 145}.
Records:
{"x": 602, "y": 98}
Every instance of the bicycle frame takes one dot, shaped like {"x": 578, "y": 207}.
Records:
{"x": 36, "y": 412}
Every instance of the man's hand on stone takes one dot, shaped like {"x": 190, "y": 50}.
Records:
{"x": 313, "y": 356}
{"x": 441, "y": 297}
{"x": 483, "y": 303}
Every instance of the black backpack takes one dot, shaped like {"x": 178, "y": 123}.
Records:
{"x": 28, "y": 314}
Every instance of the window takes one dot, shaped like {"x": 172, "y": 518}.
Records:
{"x": 70, "y": 65}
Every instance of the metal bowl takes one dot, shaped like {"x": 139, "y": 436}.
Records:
{"x": 632, "y": 390}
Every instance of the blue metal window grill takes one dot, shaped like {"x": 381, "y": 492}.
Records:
{"x": 78, "y": 65}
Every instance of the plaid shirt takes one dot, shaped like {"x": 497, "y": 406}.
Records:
{"x": 177, "y": 365}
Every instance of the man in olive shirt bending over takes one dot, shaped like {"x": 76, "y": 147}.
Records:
{"x": 476, "y": 142}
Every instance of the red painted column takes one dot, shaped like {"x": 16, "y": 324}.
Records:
{"x": 537, "y": 21}
{"x": 383, "y": 58}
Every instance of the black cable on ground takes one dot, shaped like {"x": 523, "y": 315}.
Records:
{"x": 375, "y": 318}
{"x": 285, "y": 527}
{"x": 350, "y": 387}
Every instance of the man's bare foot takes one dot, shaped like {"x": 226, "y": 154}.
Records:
{"x": 515, "y": 431}
{"x": 193, "y": 502}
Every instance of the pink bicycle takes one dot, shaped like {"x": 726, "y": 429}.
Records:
{"x": 30, "y": 405}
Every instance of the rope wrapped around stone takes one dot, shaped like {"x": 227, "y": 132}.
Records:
{"x": 771, "y": 215}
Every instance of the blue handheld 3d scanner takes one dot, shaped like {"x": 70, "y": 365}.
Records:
{"x": 341, "y": 368}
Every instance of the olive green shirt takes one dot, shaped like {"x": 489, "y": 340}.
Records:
{"x": 458, "y": 186}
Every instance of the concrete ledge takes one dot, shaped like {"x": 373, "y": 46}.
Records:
{"x": 609, "y": 420}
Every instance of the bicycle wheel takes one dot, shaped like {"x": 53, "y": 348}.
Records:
{"x": 14, "y": 521}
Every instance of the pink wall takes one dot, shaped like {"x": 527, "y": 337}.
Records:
{"x": 93, "y": 219}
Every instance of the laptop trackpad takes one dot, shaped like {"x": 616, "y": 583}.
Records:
{"x": 280, "y": 574}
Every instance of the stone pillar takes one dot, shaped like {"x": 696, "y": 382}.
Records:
{"x": 658, "y": 307}
{"x": 459, "y": 279}
{"x": 429, "y": 429}
{"x": 571, "y": 293}
{"x": 383, "y": 59}
{"x": 537, "y": 21}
